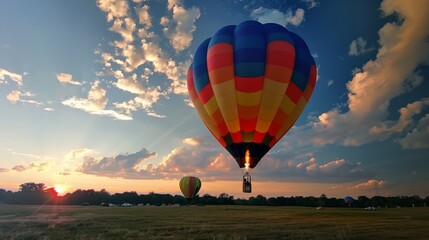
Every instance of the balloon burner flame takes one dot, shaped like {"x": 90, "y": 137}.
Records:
{"x": 247, "y": 159}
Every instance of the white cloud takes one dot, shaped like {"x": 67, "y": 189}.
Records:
{"x": 181, "y": 37}
{"x": 330, "y": 82}
{"x": 205, "y": 157}
{"x": 107, "y": 59}
{"x": 79, "y": 153}
{"x": 22, "y": 97}
{"x": 140, "y": 102}
{"x": 95, "y": 103}
{"x": 418, "y": 137}
{"x": 265, "y": 15}
{"x": 133, "y": 56}
{"x": 133, "y": 85}
{"x": 14, "y": 96}
{"x": 125, "y": 27}
{"x": 371, "y": 184}
{"x": 139, "y": 48}
{"x": 19, "y": 168}
{"x": 179, "y": 87}
{"x": 39, "y": 166}
{"x": 11, "y": 75}
{"x": 113, "y": 8}
{"x": 405, "y": 119}
{"x": 65, "y": 172}
{"x": 285, "y": 167}
{"x": 191, "y": 141}
{"x": 180, "y": 28}
{"x": 403, "y": 47}
{"x": 358, "y": 47}
{"x": 97, "y": 96}
{"x": 198, "y": 156}
{"x": 122, "y": 165}
{"x": 190, "y": 159}
{"x": 162, "y": 63}
{"x": 164, "y": 21}
{"x": 144, "y": 17}
{"x": 67, "y": 78}
{"x": 172, "y": 3}
{"x": 145, "y": 99}
{"x": 311, "y": 3}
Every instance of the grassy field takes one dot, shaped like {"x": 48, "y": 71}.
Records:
{"x": 210, "y": 222}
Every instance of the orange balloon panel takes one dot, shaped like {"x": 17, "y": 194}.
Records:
{"x": 249, "y": 84}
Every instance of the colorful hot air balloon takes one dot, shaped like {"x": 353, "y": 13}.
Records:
{"x": 190, "y": 187}
{"x": 249, "y": 83}
{"x": 348, "y": 200}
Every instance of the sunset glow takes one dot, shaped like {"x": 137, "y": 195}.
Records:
{"x": 61, "y": 189}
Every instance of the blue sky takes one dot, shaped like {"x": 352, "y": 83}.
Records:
{"x": 93, "y": 95}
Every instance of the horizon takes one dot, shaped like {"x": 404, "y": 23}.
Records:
{"x": 61, "y": 193}
{"x": 93, "y": 95}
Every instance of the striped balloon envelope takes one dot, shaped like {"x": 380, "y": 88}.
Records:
{"x": 348, "y": 200}
{"x": 190, "y": 186}
{"x": 249, "y": 83}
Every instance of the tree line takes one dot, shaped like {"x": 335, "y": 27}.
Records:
{"x": 38, "y": 193}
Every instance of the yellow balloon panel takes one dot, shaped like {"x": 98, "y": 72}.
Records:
{"x": 287, "y": 105}
{"x": 293, "y": 116}
{"x": 263, "y": 125}
{"x": 206, "y": 118}
{"x": 249, "y": 99}
{"x": 266, "y": 114}
{"x": 275, "y": 88}
{"x": 227, "y": 101}
{"x": 224, "y": 88}
{"x": 233, "y": 125}
{"x": 211, "y": 106}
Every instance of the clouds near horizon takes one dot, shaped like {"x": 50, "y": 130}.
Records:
{"x": 204, "y": 157}
{"x": 39, "y": 166}
{"x": 122, "y": 165}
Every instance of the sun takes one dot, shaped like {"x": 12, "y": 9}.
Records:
{"x": 60, "y": 189}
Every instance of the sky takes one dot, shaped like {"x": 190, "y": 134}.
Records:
{"x": 93, "y": 96}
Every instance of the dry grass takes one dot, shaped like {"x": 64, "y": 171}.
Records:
{"x": 210, "y": 222}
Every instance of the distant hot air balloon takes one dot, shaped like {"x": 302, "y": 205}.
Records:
{"x": 190, "y": 187}
{"x": 348, "y": 200}
{"x": 249, "y": 83}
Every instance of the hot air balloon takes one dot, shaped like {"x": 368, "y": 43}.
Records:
{"x": 348, "y": 200}
{"x": 249, "y": 84}
{"x": 190, "y": 187}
